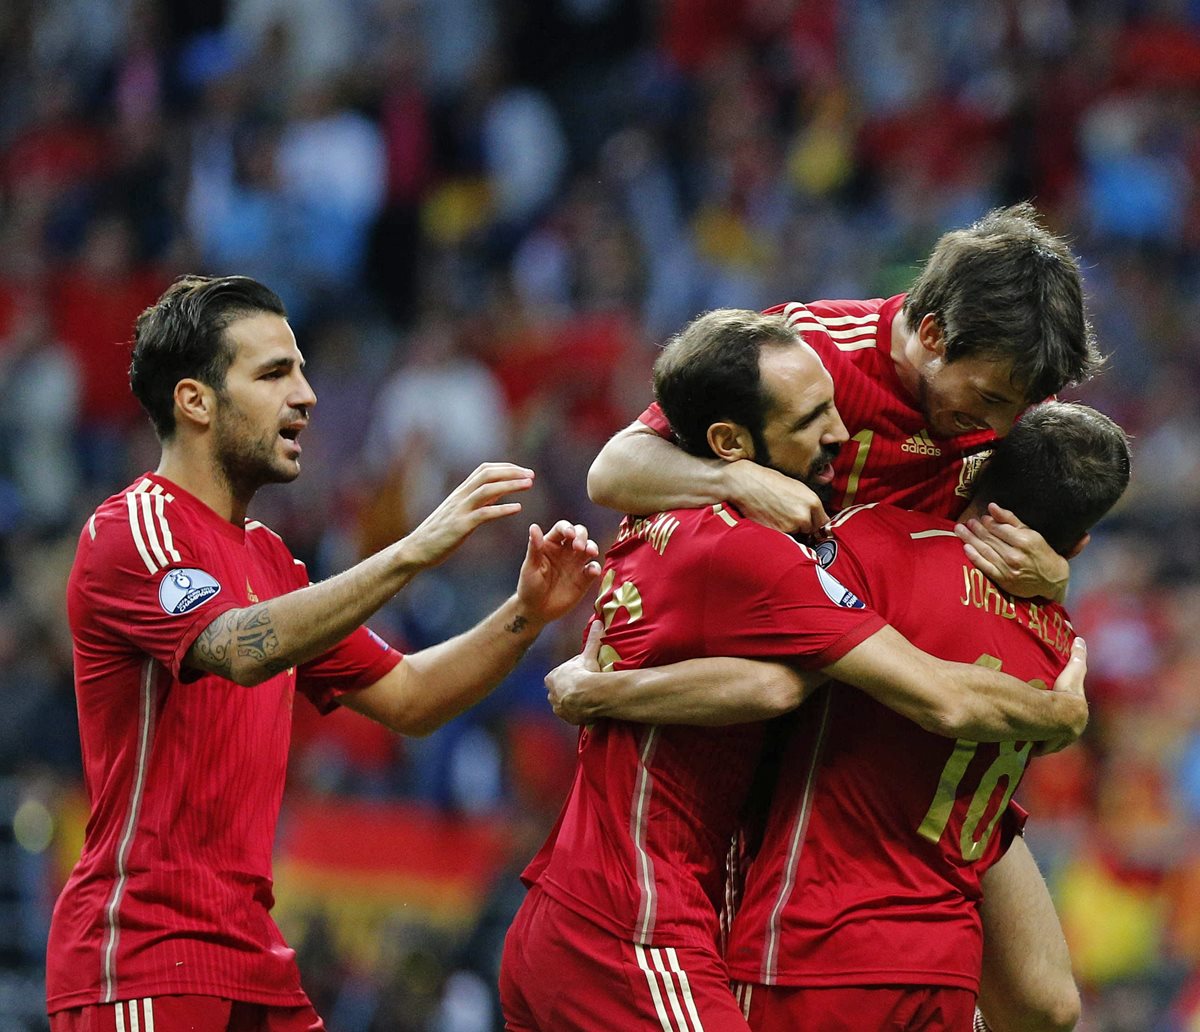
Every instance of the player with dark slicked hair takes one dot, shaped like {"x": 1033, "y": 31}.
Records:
{"x": 193, "y": 630}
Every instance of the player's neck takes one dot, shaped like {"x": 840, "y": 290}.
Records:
{"x": 202, "y": 478}
{"x": 973, "y": 511}
{"x": 905, "y": 349}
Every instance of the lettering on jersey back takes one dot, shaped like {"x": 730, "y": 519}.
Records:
{"x": 1044, "y": 621}
{"x": 656, "y": 530}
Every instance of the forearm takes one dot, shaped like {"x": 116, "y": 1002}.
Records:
{"x": 639, "y": 472}
{"x": 252, "y": 644}
{"x": 707, "y": 692}
{"x": 958, "y": 700}
{"x": 442, "y": 681}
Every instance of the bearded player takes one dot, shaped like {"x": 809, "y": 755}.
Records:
{"x": 193, "y": 631}
{"x": 625, "y": 894}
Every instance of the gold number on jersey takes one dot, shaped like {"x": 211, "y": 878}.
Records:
{"x": 627, "y": 597}
{"x": 863, "y": 439}
{"x": 1009, "y": 764}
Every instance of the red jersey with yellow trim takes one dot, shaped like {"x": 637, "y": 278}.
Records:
{"x": 890, "y": 456}
{"x": 879, "y": 832}
{"x": 639, "y": 847}
{"x": 184, "y": 771}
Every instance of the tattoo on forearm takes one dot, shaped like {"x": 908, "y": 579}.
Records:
{"x": 243, "y": 633}
{"x": 518, "y": 624}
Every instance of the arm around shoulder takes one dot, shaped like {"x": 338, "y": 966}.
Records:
{"x": 639, "y": 472}
{"x": 965, "y": 700}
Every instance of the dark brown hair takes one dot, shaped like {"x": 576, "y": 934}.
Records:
{"x": 182, "y": 335}
{"x": 1007, "y": 288}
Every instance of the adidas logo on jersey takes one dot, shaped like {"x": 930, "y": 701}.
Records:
{"x": 921, "y": 444}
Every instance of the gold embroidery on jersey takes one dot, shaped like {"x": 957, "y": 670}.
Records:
{"x": 250, "y": 592}
{"x": 971, "y": 465}
{"x": 656, "y": 529}
{"x": 981, "y": 593}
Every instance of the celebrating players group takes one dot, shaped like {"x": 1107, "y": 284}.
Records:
{"x": 828, "y": 640}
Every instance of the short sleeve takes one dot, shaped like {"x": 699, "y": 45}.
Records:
{"x": 150, "y": 589}
{"x": 655, "y": 419}
{"x": 356, "y": 662}
{"x": 1012, "y": 824}
{"x": 796, "y": 611}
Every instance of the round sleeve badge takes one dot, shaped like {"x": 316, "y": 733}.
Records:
{"x": 181, "y": 591}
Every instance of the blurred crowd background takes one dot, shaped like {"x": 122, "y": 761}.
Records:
{"x": 483, "y": 215}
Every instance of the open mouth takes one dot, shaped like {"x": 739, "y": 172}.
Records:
{"x": 290, "y": 435}
{"x": 824, "y": 474}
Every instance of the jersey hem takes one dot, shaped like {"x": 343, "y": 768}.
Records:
{"x": 605, "y": 923}
{"x": 937, "y": 978}
{"x": 137, "y": 991}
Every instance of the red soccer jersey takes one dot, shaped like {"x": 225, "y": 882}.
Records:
{"x": 879, "y": 832}
{"x": 184, "y": 772}
{"x": 640, "y": 844}
{"x": 890, "y": 456}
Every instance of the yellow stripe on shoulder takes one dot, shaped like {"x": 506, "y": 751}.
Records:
{"x": 918, "y": 535}
{"x": 846, "y": 513}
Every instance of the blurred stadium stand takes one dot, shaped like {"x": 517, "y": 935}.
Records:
{"x": 482, "y": 215}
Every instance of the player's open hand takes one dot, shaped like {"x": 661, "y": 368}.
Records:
{"x": 1070, "y": 682}
{"x": 474, "y": 502}
{"x": 774, "y": 499}
{"x": 1015, "y": 556}
{"x": 559, "y": 567}
{"x": 566, "y": 684}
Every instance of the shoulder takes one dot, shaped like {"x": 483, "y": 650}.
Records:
{"x": 880, "y": 526}
{"x": 141, "y": 523}
{"x": 834, "y": 327}
{"x": 758, "y": 551}
{"x": 717, "y": 534}
{"x": 263, "y": 540}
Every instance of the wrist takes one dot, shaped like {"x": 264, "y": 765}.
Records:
{"x": 521, "y": 620}
{"x": 732, "y": 479}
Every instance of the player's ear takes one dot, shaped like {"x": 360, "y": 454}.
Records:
{"x": 929, "y": 333}
{"x": 1080, "y": 545}
{"x": 195, "y": 402}
{"x": 730, "y": 441}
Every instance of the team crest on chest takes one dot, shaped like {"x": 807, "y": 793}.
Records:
{"x": 971, "y": 465}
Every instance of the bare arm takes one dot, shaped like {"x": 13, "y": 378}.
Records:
{"x": 249, "y": 645}
{"x": 436, "y": 684}
{"x": 639, "y": 472}
{"x": 1027, "y": 985}
{"x": 703, "y": 692}
{"x": 965, "y": 700}
{"x": 958, "y": 700}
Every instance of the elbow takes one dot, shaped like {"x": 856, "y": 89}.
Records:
{"x": 412, "y": 723}
{"x": 783, "y": 697}
{"x": 1058, "y": 1013}
{"x": 600, "y": 488}
{"x": 947, "y": 717}
{"x": 1065, "y": 1015}
{"x": 250, "y": 675}
{"x": 415, "y": 729}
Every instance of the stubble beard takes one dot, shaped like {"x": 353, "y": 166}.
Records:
{"x": 823, "y": 491}
{"x": 246, "y": 462}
